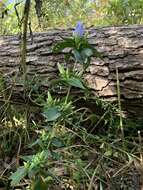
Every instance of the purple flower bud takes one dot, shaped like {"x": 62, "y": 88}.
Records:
{"x": 79, "y": 29}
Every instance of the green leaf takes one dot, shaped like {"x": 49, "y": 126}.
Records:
{"x": 108, "y": 153}
{"x": 52, "y": 113}
{"x": 18, "y": 175}
{"x": 38, "y": 141}
{"x": 75, "y": 82}
{"x": 45, "y": 154}
{"x": 87, "y": 52}
{"x": 27, "y": 158}
{"x": 57, "y": 142}
{"x": 49, "y": 99}
{"x": 10, "y": 6}
{"x": 61, "y": 69}
{"x": 67, "y": 43}
{"x": 78, "y": 56}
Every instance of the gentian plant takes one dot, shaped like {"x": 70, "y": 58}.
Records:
{"x": 58, "y": 112}
{"x": 80, "y": 50}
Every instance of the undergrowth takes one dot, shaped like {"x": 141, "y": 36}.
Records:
{"x": 73, "y": 142}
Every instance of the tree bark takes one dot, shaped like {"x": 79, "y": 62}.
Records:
{"x": 121, "y": 47}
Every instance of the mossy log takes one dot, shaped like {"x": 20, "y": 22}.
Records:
{"x": 121, "y": 47}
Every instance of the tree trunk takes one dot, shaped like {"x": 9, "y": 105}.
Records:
{"x": 121, "y": 47}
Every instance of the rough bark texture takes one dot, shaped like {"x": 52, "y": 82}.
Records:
{"x": 121, "y": 47}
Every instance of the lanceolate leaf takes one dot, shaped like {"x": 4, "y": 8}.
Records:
{"x": 67, "y": 43}
{"x": 87, "y": 52}
{"x": 78, "y": 56}
{"x": 76, "y": 83}
{"x": 61, "y": 69}
{"x": 49, "y": 99}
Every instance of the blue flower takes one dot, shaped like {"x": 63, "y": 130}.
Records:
{"x": 79, "y": 29}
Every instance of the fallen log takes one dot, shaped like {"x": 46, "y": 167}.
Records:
{"x": 121, "y": 47}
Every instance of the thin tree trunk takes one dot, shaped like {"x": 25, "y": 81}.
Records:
{"x": 122, "y": 47}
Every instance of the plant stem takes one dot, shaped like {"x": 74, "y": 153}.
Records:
{"x": 24, "y": 51}
{"x": 24, "y": 36}
{"x": 119, "y": 103}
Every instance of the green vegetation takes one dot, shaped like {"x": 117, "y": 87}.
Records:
{"x": 65, "y": 13}
{"x": 67, "y": 144}
{"x": 125, "y": 12}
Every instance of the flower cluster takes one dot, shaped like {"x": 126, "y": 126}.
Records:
{"x": 79, "y": 30}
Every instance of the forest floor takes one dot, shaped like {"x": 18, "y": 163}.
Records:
{"x": 79, "y": 158}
